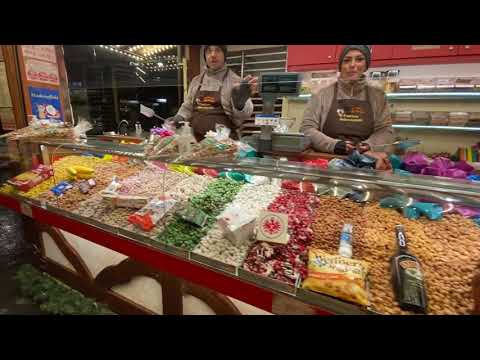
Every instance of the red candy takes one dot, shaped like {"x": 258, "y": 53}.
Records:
{"x": 286, "y": 262}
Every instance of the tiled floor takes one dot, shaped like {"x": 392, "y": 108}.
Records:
{"x": 14, "y": 251}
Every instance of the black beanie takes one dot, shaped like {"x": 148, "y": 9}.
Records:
{"x": 364, "y": 49}
{"x": 223, "y": 47}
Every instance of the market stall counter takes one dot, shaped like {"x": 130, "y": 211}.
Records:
{"x": 285, "y": 237}
{"x": 308, "y": 154}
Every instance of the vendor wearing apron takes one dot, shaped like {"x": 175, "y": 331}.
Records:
{"x": 349, "y": 114}
{"x": 217, "y": 97}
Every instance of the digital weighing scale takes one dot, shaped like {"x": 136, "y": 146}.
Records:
{"x": 273, "y": 86}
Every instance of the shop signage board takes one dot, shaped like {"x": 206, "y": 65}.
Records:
{"x": 5, "y": 100}
{"x": 40, "y": 52}
{"x": 7, "y": 119}
{"x": 45, "y": 103}
{"x": 42, "y": 72}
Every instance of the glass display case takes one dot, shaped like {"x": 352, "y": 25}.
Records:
{"x": 204, "y": 219}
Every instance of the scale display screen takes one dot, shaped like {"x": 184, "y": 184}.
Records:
{"x": 280, "y": 83}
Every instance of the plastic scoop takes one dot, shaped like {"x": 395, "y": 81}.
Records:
{"x": 400, "y": 144}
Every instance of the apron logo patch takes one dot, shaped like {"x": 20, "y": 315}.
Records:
{"x": 354, "y": 114}
{"x": 206, "y": 102}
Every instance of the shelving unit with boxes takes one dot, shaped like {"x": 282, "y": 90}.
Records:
{"x": 443, "y": 118}
{"x": 253, "y": 62}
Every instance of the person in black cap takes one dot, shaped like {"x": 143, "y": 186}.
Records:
{"x": 217, "y": 97}
{"x": 349, "y": 114}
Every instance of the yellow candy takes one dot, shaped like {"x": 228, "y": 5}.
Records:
{"x": 83, "y": 169}
{"x": 61, "y": 173}
{"x": 71, "y": 171}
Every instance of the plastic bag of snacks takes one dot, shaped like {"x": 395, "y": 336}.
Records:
{"x": 321, "y": 163}
{"x": 183, "y": 169}
{"x": 147, "y": 217}
{"x": 29, "y": 179}
{"x": 237, "y": 225}
{"x": 302, "y": 186}
{"x": 337, "y": 276}
{"x": 206, "y": 171}
{"x": 210, "y": 148}
{"x": 158, "y": 144}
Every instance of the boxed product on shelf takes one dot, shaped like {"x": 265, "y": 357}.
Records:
{"x": 458, "y": 118}
{"x": 378, "y": 79}
{"x": 439, "y": 118}
{"x": 426, "y": 84}
{"x": 392, "y": 81}
{"x": 421, "y": 117}
{"x": 464, "y": 83}
{"x": 476, "y": 83}
{"x": 407, "y": 84}
{"x": 402, "y": 117}
{"x": 445, "y": 83}
{"x": 474, "y": 120}
{"x": 128, "y": 201}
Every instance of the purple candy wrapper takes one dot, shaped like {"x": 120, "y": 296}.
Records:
{"x": 467, "y": 212}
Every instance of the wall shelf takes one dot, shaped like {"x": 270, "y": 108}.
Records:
{"x": 435, "y": 96}
{"x": 416, "y": 96}
{"x": 433, "y": 127}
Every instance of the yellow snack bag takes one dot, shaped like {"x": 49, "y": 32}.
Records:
{"x": 181, "y": 169}
{"x": 337, "y": 276}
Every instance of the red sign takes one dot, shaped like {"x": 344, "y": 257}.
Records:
{"x": 40, "y": 52}
{"x": 41, "y": 71}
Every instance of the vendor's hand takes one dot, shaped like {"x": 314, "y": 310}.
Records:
{"x": 175, "y": 121}
{"x": 343, "y": 147}
{"x": 240, "y": 94}
{"x": 383, "y": 163}
{"x": 363, "y": 147}
{"x": 243, "y": 91}
{"x": 253, "y": 83}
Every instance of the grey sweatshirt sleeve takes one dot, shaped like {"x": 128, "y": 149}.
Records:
{"x": 187, "y": 107}
{"x": 312, "y": 118}
{"x": 383, "y": 131}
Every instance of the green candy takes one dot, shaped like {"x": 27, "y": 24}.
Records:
{"x": 212, "y": 201}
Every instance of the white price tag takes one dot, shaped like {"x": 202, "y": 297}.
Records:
{"x": 43, "y": 204}
{"x": 267, "y": 120}
{"x": 26, "y": 210}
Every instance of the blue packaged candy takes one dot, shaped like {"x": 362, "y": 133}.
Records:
{"x": 61, "y": 188}
{"x": 411, "y": 212}
{"x": 396, "y": 161}
{"x": 430, "y": 210}
{"x": 473, "y": 177}
{"x": 394, "y": 202}
{"x": 91, "y": 154}
{"x": 402, "y": 172}
{"x": 476, "y": 220}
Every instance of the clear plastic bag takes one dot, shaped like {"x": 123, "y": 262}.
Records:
{"x": 80, "y": 130}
